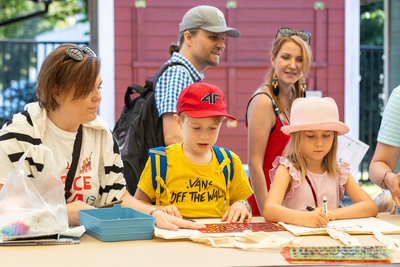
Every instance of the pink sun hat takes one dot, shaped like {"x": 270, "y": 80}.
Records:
{"x": 315, "y": 113}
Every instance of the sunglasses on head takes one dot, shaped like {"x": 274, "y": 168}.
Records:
{"x": 78, "y": 54}
{"x": 287, "y": 32}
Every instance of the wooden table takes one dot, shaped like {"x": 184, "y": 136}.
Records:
{"x": 159, "y": 252}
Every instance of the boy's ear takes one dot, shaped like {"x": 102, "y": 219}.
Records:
{"x": 178, "y": 120}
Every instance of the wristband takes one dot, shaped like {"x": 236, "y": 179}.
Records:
{"x": 151, "y": 212}
{"x": 383, "y": 180}
{"x": 244, "y": 202}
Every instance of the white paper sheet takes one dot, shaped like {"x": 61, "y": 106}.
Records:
{"x": 351, "y": 151}
{"x": 352, "y": 226}
{"x": 74, "y": 231}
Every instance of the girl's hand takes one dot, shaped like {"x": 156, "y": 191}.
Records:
{"x": 332, "y": 215}
{"x": 172, "y": 210}
{"x": 237, "y": 212}
{"x": 315, "y": 218}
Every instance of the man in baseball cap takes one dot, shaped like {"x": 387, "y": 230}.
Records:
{"x": 208, "y": 18}
{"x": 201, "y": 42}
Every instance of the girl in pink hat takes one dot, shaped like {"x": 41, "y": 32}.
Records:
{"x": 309, "y": 172}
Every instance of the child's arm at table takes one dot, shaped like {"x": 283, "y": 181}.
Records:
{"x": 363, "y": 206}
{"x": 275, "y": 212}
{"x": 163, "y": 220}
{"x": 144, "y": 198}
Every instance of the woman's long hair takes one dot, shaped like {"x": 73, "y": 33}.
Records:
{"x": 307, "y": 57}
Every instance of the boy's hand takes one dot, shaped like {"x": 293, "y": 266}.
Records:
{"x": 166, "y": 221}
{"x": 315, "y": 218}
{"x": 237, "y": 212}
{"x": 173, "y": 210}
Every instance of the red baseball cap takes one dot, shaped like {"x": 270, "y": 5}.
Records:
{"x": 202, "y": 100}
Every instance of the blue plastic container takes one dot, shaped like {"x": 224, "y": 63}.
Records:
{"x": 117, "y": 224}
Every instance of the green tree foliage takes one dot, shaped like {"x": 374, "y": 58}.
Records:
{"x": 371, "y": 24}
{"x": 61, "y": 14}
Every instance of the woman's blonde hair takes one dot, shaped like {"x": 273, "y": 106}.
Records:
{"x": 59, "y": 77}
{"x": 294, "y": 154}
{"x": 307, "y": 57}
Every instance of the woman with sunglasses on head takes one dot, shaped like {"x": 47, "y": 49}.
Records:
{"x": 269, "y": 108}
{"x": 68, "y": 90}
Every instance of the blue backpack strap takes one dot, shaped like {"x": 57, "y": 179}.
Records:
{"x": 221, "y": 158}
{"x": 224, "y": 154}
{"x": 158, "y": 159}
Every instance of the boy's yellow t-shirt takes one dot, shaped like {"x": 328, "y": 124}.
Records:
{"x": 196, "y": 190}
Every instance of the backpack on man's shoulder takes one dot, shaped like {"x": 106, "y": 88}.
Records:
{"x": 139, "y": 128}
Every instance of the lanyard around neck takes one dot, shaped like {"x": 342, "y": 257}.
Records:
{"x": 313, "y": 191}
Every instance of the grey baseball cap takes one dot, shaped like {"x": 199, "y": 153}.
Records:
{"x": 208, "y": 18}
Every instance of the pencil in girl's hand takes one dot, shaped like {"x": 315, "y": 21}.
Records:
{"x": 325, "y": 205}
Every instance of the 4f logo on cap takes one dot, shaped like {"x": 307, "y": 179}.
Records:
{"x": 211, "y": 98}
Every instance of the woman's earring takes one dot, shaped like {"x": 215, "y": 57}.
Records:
{"x": 275, "y": 84}
{"x": 303, "y": 87}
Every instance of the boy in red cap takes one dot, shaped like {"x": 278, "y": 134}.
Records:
{"x": 195, "y": 183}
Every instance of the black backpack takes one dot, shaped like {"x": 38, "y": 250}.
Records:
{"x": 139, "y": 128}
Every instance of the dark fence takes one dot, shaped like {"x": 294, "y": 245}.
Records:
{"x": 20, "y": 62}
{"x": 371, "y": 101}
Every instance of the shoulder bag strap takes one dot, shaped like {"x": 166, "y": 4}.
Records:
{"x": 74, "y": 163}
{"x": 163, "y": 68}
{"x": 179, "y": 63}
{"x": 273, "y": 104}
{"x": 313, "y": 192}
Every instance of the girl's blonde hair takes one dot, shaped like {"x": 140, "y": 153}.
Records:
{"x": 294, "y": 154}
{"x": 385, "y": 202}
{"x": 307, "y": 57}
{"x": 184, "y": 116}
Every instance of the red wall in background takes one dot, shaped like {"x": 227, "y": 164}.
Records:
{"x": 143, "y": 35}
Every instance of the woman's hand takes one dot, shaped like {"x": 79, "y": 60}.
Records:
{"x": 392, "y": 182}
{"x": 315, "y": 218}
{"x": 72, "y": 209}
{"x": 237, "y": 212}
